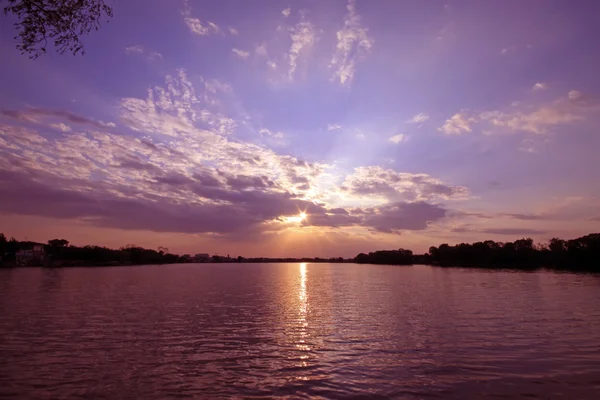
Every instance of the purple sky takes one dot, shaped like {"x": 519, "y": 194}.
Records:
{"x": 208, "y": 126}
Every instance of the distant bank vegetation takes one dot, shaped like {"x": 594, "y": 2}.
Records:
{"x": 581, "y": 254}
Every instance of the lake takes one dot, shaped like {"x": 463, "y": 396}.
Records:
{"x": 297, "y": 330}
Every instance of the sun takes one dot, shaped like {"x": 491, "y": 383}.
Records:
{"x": 296, "y": 218}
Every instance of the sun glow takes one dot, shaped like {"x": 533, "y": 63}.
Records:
{"x": 296, "y": 218}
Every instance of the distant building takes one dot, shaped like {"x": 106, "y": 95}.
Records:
{"x": 201, "y": 258}
{"x": 33, "y": 253}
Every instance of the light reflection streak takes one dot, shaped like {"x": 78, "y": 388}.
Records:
{"x": 303, "y": 314}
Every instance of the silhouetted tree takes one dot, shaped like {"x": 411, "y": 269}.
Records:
{"x": 395, "y": 257}
{"x": 3, "y": 242}
{"x": 61, "y": 21}
{"x": 58, "y": 243}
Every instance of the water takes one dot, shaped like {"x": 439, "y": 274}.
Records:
{"x": 297, "y": 330}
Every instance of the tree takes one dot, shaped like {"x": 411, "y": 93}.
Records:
{"x": 3, "y": 244}
{"x": 557, "y": 245}
{"x": 61, "y": 21}
{"x": 58, "y": 243}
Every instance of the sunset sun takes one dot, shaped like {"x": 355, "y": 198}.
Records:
{"x": 300, "y": 217}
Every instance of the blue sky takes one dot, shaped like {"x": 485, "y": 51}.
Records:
{"x": 209, "y": 126}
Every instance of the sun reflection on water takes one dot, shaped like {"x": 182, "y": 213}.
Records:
{"x": 302, "y": 313}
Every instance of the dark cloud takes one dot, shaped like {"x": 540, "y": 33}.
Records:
{"x": 399, "y": 216}
{"x": 24, "y": 194}
{"x": 227, "y": 211}
{"x": 35, "y": 114}
{"x": 173, "y": 179}
{"x": 136, "y": 163}
{"x": 207, "y": 179}
{"x": 523, "y": 217}
{"x": 513, "y": 231}
{"x": 241, "y": 182}
{"x": 461, "y": 229}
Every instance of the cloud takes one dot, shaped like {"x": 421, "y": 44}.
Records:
{"x": 574, "y": 95}
{"x": 286, "y": 12}
{"x": 201, "y": 28}
{"x": 261, "y": 50}
{"x": 61, "y": 127}
{"x": 535, "y": 119}
{"x": 353, "y": 43}
{"x": 539, "y": 86}
{"x": 508, "y": 50}
{"x": 399, "y": 216}
{"x": 155, "y": 55}
{"x": 195, "y": 25}
{"x": 183, "y": 174}
{"x": 390, "y": 185}
{"x": 247, "y": 210}
{"x": 240, "y": 53}
{"x": 457, "y": 124}
{"x": 137, "y": 49}
{"x": 539, "y": 120}
{"x": 41, "y": 115}
{"x": 419, "y": 118}
{"x": 303, "y": 36}
{"x": 233, "y": 31}
{"x": 513, "y": 231}
{"x": 268, "y": 133}
{"x": 397, "y": 138}
{"x": 334, "y": 127}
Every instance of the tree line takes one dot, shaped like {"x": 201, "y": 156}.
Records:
{"x": 580, "y": 254}
{"x": 58, "y": 252}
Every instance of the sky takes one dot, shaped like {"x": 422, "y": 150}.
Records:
{"x": 307, "y": 128}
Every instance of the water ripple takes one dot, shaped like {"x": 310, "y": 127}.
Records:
{"x": 297, "y": 331}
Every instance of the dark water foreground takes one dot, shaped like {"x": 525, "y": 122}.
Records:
{"x": 297, "y": 330}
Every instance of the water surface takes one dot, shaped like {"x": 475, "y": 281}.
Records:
{"x": 297, "y": 330}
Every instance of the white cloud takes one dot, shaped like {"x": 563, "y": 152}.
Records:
{"x": 272, "y": 64}
{"x": 390, "y": 185}
{"x": 303, "y": 36}
{"x": 353, "y": 42}
{"x": 397, "y": 138}
{"x": 136, "y": 49}
{"x": 195, "y": 25}
{"x": 155, "y": 55}
{"x": 539, "y": 86}
{"x": 539, "y": 120}
{"x": 360, "y": 136}
{"x": 233, "y": 31}
{"x": 240, "y": 53}
{"x": 419, "y": 118}
{"x": 61, "y": 127}
{"x": 267, "y": 133}
{"x": 261, "y": 50}
{"x": 574, "y": 95}
{"x": 508, "y": 50}
{"x": 334, "y": 127}
{"x": 457, "y": 124}
{"x": 200, "y": 28}
{"x": 526, "y": 118}
{"x": 286, "y": 12}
